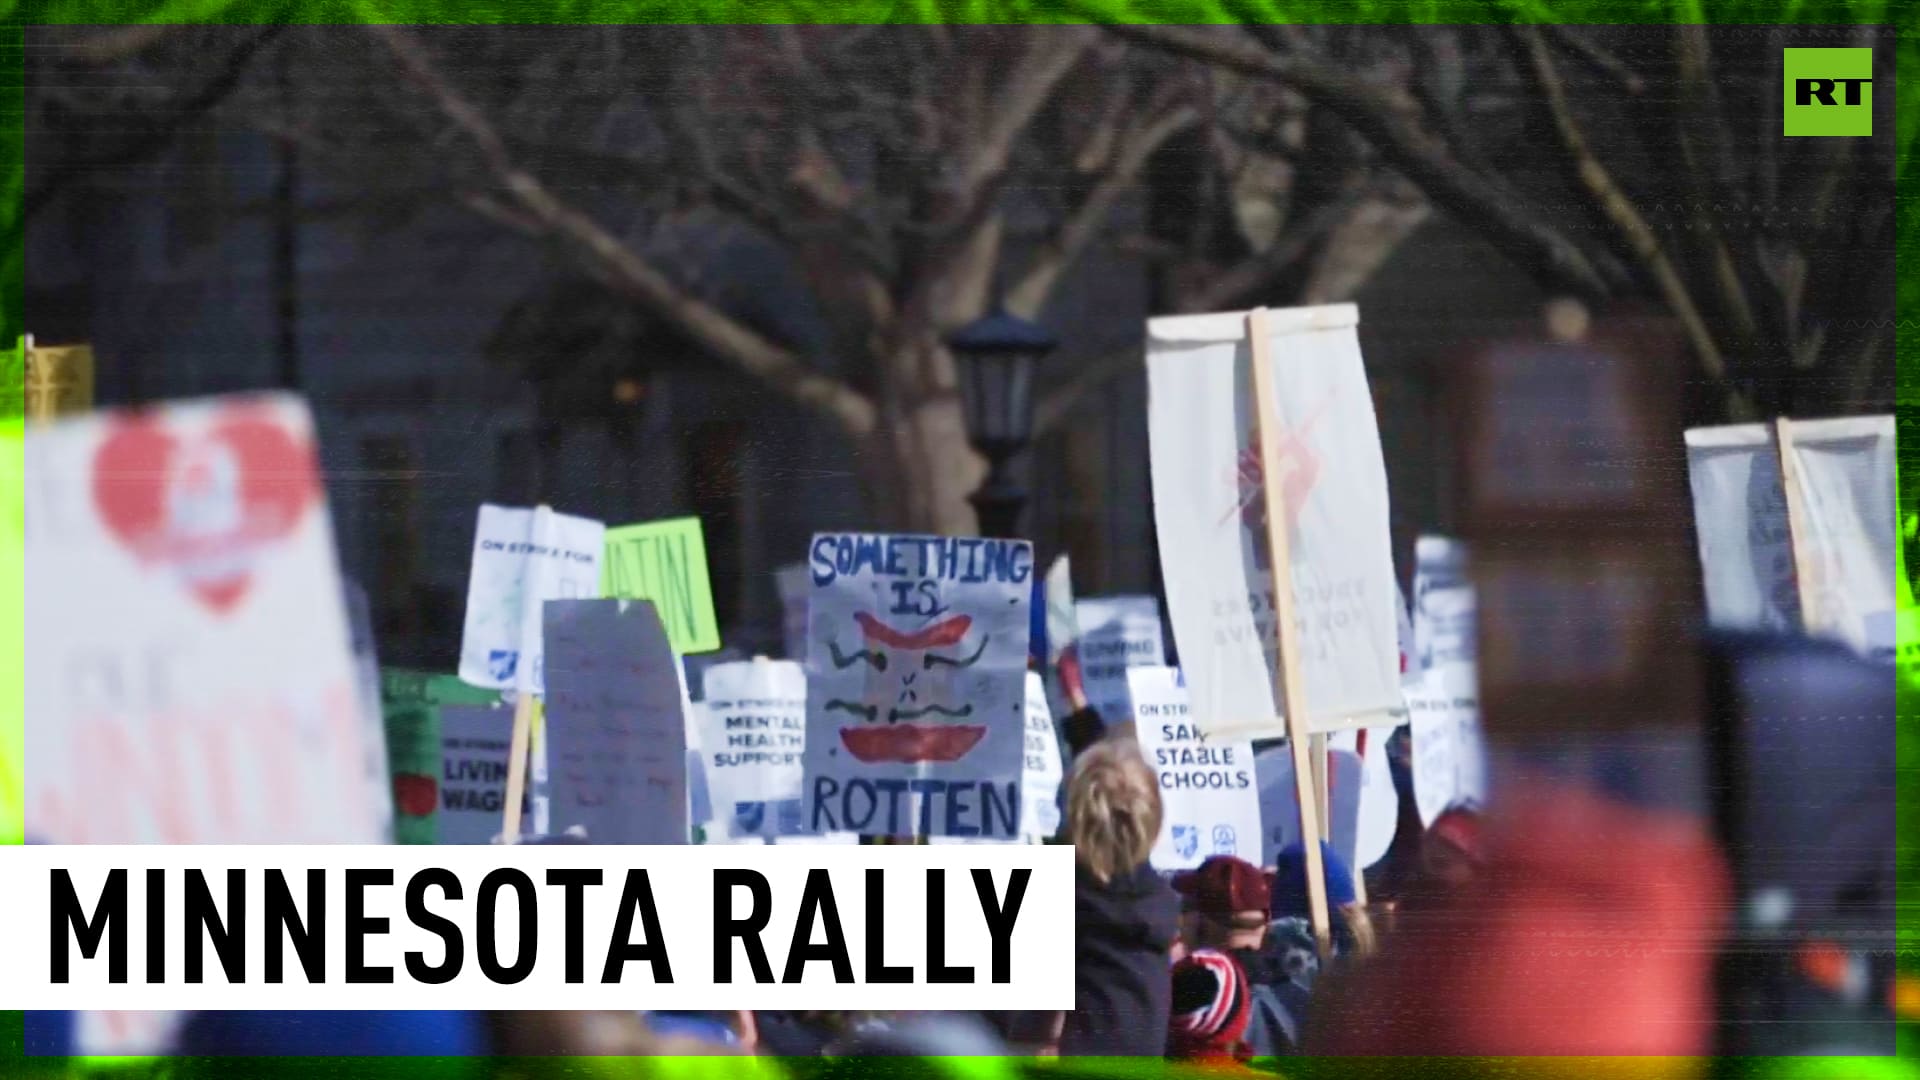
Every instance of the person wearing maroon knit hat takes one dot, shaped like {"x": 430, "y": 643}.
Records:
{"x": 1227, "y": 902}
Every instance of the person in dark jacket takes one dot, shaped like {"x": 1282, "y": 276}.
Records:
{"x": 1227, "y": 901}
{"x": 1125, "y": 917}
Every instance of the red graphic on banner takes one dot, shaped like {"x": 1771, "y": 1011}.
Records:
{"x": 205, "y": 507}
{"x": 920, "y": 724}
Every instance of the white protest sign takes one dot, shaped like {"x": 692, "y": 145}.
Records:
{"x": 1841, "y": 477}
{"x": 1378, "y": 814}
{"x": 187, "y": 675}
{"x": 1063, "y": 620}
{"x": 1740, "y": 519}
{"x": 1443, "y": 605}
{"x": 753, "y": 733}
{"x": 474, "y": 742}
{"x": 1844, "y": 470}
{"x": 1280, "y": 813}
{"x": 1207, "y": 785}
{"x": 1210, "y": 509}
{"x": 616, "y": 727}
{"x": 1041, "y": 775}
{"x": 1117, "y": 633}
{"x": 916, "y": 684}
{"x": 1449, "y": 755}
{"x": 522, "y": 558}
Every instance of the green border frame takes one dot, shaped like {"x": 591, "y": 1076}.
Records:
{"x": 1903, "y": 16}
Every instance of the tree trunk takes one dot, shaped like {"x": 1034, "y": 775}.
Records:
{"x": 935, "y": 468}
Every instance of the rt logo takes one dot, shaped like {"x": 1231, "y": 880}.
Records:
{"x": 1828, "y": 92}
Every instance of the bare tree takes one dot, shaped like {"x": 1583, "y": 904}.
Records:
{"x": 1631, "y": 164}
{"x": 909, "y": 173}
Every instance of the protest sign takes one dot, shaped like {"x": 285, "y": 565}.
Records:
{"x": 1449, "y": 755}
{"x": 1443, "y": 606}
{"x": 1211, "y": 802}
{"x": 1063, "y": 620}
{"x": 1211, "y": 510}
{"x": 475, "y": 742}
{"x": 522, "y": 558}
{"x": 753, "y": 733}
{"x": 188, "y": 678}
{"x": 1280, "y": 818}
{"x": 616, "y": 726}
{"x": 794, "y": 586}
{"x": 1378, "y": 817}
{"x": 665, "y": 563}
{"x": 1117, "y": 633}
{"x": 916, "y": 684}
{"x": 1796, "y": 526}
{"x": 417, "y": 752}
{"x": 1040, "y": 776}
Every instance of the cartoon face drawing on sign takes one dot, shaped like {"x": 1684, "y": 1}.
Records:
{"x": 911, "y": 711}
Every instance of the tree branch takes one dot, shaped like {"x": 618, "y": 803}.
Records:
{"x": 1384, "y": 122}
{"x": 1619, "y": 208}
{"x": 1066, "y": 245}
{"x": 621, "y": 267}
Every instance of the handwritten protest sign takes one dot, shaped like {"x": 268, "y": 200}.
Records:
{"x": 1210, "y": 507}
{"x": 1449, "y": 754}
{"x": 1443, "y": 605}
{"x": 522, "y": 558}
{"x": 916, "y": 684}
{"x": 475, "y": 741}
{"x": 1207, "y": 785}
{"x": 1117, "y": 633}
{"x": 1042, "y": 770}
{"x": 753, "y": 734}
{"x": 616, "y": 729}
{"x": 665, "y": 563}
{"x": 187, "y": 675}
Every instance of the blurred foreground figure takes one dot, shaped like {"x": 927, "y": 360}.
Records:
{"x": 1589, "y": 930}
{"x": 1125, "y": 917}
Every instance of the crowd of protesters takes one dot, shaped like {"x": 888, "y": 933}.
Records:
{"x": 1463, "y": 949}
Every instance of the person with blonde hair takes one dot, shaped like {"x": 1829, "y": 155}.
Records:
{"x": 1125, "y": 918}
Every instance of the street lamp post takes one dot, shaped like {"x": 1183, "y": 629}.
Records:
{"x": 997, "y": 355}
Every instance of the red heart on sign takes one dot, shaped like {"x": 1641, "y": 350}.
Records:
{"x": 204, "y": 506}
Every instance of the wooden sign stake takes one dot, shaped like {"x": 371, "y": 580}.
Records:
{"x": 1288, "y": 689}
{"x": 524, "y": 704}
{"x": 1803, "y": 564}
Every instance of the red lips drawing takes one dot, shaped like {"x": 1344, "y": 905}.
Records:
{"x": 204, "y": 506}
{"x": 910, "y": 654}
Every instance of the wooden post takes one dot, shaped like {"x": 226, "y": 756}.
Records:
{"x": 58, "y": 379}
{"x": 524, "y": 705}
{"x": 1359, "y": 874}
{"x": 1804, "y": 567}
{"x": 517, "y": 765}
{"x": 1322, "y": 782}
{"x": 1289, "y": 690}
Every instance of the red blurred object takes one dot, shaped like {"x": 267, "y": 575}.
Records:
{"x": 1591, "y": 931}
{"x": 1459, "y": 829}
{"x": 1224, "y": 885}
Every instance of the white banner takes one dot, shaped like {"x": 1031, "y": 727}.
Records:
{"x": 753, "y": 737}
{"x": 1449, "y": 752}
{"x": 522, "y": 558}
{"x": 1210, "y": 509}
{"x": 1280, "y": 808}
{"x": 1207, "y": 785}
{"x": 1845, "y": 472}
{"x": 1042, "y": 771}
{"x": 916, "y": 684}
{"x": 187, "y": 674}
{"x": 616, "y": 724}
{"x": 546, "y": 927}
{"x": 1117, "y": 633}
